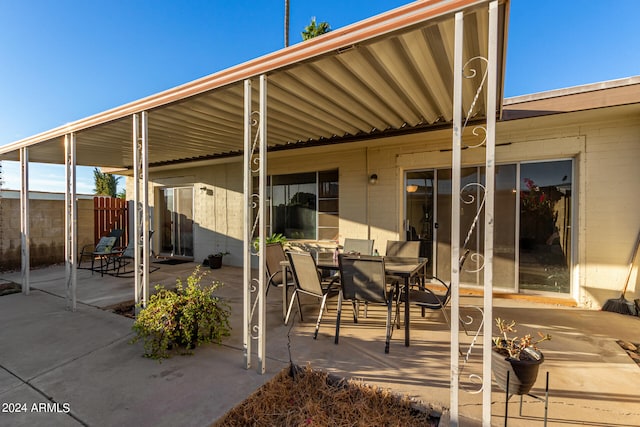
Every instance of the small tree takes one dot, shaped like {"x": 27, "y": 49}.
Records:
{"x": 315, "y": 29}
{"x": 106, "y": 184}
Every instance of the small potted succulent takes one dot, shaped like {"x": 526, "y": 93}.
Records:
{"x": 519, "y": 356}
{"x": 215, "y": 260}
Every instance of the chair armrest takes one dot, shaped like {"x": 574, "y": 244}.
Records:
{"x": 270, "y": 279}
{"x": 289, "y": 276}
{"x": 440, "y": 281}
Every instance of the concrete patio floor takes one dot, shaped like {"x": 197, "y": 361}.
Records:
{"x": 83, "y": 360}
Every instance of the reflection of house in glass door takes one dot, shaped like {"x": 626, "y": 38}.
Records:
{"x": 176, "y": 221}
{"x": 419, "y": 211}
{"x": 545, "y": 226}
{"x": 532, "y": 242}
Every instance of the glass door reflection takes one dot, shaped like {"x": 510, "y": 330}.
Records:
{"x": 419, "y": 209}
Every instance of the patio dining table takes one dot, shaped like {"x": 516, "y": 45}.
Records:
{"x": 397, "y": 267}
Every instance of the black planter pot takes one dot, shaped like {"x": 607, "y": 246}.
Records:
{"x": 522, "y": 373}
{"x": 215, "y": 261}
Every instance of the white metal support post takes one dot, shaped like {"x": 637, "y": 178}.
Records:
{"x": 24, "y": 218}
{"x": 492, "y": 82}
{"x": 263, "y": 226}
{"x": 455, "y": 215}
{"x": 136, "y": 202}
{"x": 248, "y": 228}
{"x": 141, "y": 208}
{"x": 146, "y": 232}
{"x": 254, "y": 199}
{"x": 71, "y": 220}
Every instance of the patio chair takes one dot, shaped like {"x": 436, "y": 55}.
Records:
{"x": 308, "y": 282}
{"x": 126, "y": 257}
{"x": 275, "y": 256}
{"x": 353, "y": 247}
{"x": 363, "y": 279}
{"x": 401, "y": 248}
{"x": 121, "y": 261}
{"x": 87, "y": 250}
{"x": 426, "y": 298}
{"x": 102, "y": 251}
{"x": 359, "y": 246}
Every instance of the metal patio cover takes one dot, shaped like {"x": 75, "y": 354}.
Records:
{"x": 389, "y": 73}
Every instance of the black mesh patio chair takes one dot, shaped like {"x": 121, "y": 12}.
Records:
{"x": 307, "y": 281}
{"x": 402, "y": 249}
{"x": 427, "y": 299}
{"x": 364, "y": 280}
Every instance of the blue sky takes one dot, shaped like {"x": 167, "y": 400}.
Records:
{"x": 67, "y": 59}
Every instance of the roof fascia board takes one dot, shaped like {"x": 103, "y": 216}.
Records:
{"x": 394, "y": 20}
{"x": 574, "y": 90}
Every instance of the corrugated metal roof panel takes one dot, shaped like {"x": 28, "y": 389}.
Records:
{"x": 387, "y": 73}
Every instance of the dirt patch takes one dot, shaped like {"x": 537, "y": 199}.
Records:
{"x": 7, "y": 288}
{"x": 301, "y": 396}
{"x": 126, "y": 309}
{"x": 633, "y": 350}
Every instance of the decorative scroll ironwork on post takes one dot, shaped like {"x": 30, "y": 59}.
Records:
{"x": 255, "y": 203}
{"x": 468, "y": 320}
{"x": 254, "y": 223}
{"x": 488, "y": 85}
{"x": 469, "y": 195}
{"x": 141, "y": 231}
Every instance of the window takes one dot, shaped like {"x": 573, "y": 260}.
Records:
{"x": 305, "y": 205}
{"x": 328, "y": 204}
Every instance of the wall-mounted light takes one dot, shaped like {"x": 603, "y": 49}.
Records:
{"x": 207, "y": 191}
{"x": 412, "y": 188}
{"x": 373, "y": 179}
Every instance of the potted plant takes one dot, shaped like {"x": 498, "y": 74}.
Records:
{"x": 215, "y": 260}
{"x": 518, "y": 356}
{"x": 274, "y": 238}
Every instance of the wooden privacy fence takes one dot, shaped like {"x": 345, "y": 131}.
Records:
{"x": 110, "y": 213}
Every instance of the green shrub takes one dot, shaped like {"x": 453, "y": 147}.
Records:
{"x": 274, "y": 238}
{"x": 182, "y": 319}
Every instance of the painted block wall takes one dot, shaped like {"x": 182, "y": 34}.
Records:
{"x": 605, "y": 147}
{"x": 46, "y": 222}
{"x": 217, "y": 207}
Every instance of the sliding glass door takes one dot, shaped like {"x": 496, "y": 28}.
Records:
{"x": 532, "y": 239}
{"x": 419, "y": 208}
{"x": 471, "y": 223}
{"x": 176, "y": 221}
{"x": 545, "y": 226}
